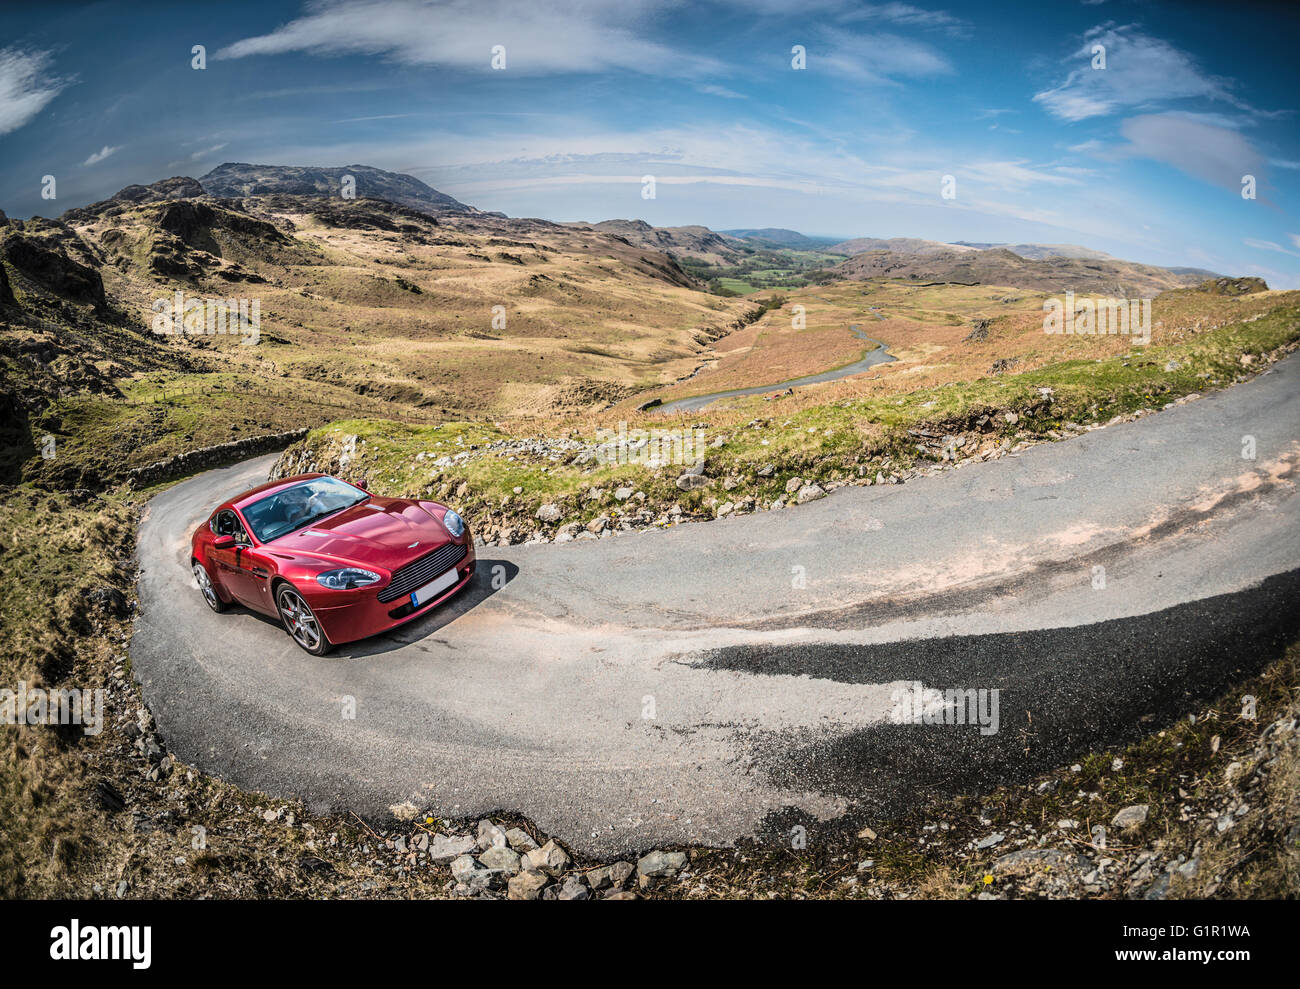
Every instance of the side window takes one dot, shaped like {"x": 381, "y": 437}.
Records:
{"x": 226, "y": 523}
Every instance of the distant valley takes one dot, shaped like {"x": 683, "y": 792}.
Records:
{"x": 403, "y": 302}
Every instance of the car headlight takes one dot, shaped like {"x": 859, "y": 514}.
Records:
{"x": 346, "y": 579}
{"x": 454, "y": 523}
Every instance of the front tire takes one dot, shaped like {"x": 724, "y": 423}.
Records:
{"x": 207, "y": 588}
{"x": 300, "y": 621}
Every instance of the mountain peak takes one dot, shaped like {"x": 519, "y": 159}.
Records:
{"x": 235, "y": 178}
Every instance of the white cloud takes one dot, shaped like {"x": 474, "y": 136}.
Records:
{"x": 1268, "y": 245}
{"x": 526, "y": 172}
{"x": 1218, "y": 155}
{"x": 541, "y": 37}
{"x": 1139, "y": 70}
{"x": 727, "y": 94}
{"x": 26, "y": 86}
{"x": 197, "y": 155}
{"x": 876, "y": 58}
{"x": 101, "y": 154}
{"x": 906, "y": 15}
{"x": 851, "y": 11}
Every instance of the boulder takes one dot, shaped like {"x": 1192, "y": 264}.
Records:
{"x": 527, "y": 885}
{"x": 520, "y": 840}
{"x": 490, "y": 836}
{"x": 573, "y": 889}
{"x": 463, "y": 868}
{"x": 501, "y": 860}
{"x": 809, "y": 492}
{"x": 443, "y": 848}
{"x": 550, "y": 859}
{"x": 659, "y": 865}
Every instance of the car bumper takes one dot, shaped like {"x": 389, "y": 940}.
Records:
{"x": 347, "y": 616}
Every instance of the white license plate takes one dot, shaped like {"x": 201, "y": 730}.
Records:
{"x": 432, "y": 589}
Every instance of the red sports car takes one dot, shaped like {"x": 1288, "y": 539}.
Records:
{"x": 330, "y": 560}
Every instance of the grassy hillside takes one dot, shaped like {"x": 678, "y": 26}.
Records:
{"x": 366, "y": 308}
{"x": 882, "y": 429}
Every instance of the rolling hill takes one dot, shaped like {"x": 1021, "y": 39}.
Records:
{"x": 999, "y": 266}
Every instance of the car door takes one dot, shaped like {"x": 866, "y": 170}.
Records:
{"x": 235, "y": 564}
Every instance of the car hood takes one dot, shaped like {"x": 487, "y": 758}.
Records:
{"x": 381, "y": 532}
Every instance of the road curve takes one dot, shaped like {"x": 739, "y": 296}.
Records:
{"x": 868, "y": 360}
{"x": 718, "y": 680}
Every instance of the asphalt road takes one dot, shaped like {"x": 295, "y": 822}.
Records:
{"x": 866, "y": 362}
{"x": 718, "y": 680}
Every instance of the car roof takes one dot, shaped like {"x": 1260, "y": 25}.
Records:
{"x": 242, "y": 501}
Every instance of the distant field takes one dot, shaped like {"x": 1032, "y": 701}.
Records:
{"x": 765, "y": 269}
{"x": 927, "y": 329}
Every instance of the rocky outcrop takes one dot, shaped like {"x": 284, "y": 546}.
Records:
{"x": 195, "y": 224}
{"x": 177, "y": 187}
{"x": 1232, "y": 286}
{"x": 44, "y": 262}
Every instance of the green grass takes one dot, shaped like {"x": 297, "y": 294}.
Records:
{"x": 825, "y": 443}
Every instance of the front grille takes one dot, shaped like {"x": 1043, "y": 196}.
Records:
{"x": 419, "y": 572}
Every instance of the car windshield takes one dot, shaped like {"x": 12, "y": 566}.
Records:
{"x": 299, "y": 506}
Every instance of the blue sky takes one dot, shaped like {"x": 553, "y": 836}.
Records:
{"x": 1143, "y": 158}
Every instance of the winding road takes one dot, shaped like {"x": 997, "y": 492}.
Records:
{"x": 868, "y": 360}
{"x": 720, "y": 680}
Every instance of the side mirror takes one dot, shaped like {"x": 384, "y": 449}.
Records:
{"x": 223, "y": 542}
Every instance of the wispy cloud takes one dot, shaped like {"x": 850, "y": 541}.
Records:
{"x": 518, "y": 167}
{"x": 877, "y": 58}
{"x": 1140, "y": 70}
{"x": 544, "y": 37}
{"x": 197, "y": 155}
{"x": 852, "y": 11}
{"x": 709, "y": 89}
{"x": 1268, "y": 245}
{"x": 26, "y": 86}
{"x": 101, "y": 154}
{"x": 1219, "y": 155}
{"x": 204, "y": 152}
{"x": 906, "y": 15}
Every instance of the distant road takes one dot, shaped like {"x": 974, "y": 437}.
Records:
{"x": 868, "y": 360}
{"x": 703, "y": 683}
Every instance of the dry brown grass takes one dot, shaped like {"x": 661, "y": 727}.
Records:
{"x": 926, "y": 330}
{"x": 414, "y": 314}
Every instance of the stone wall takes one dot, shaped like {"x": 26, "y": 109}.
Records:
{"x": 210, "y": 456}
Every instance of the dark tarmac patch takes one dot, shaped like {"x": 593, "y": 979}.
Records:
{"x": 1063, "y": 692}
